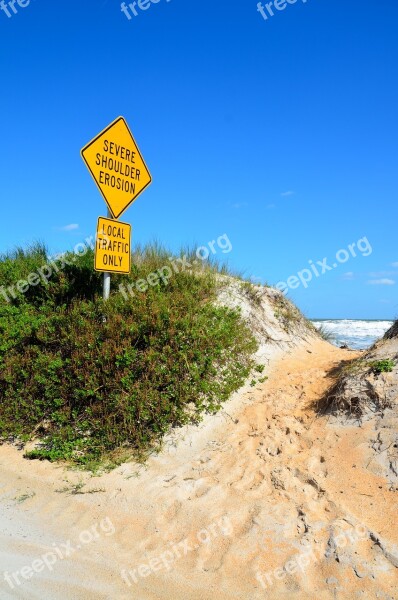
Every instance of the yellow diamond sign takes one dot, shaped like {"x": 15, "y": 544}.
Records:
{"x": 117, "y": 166}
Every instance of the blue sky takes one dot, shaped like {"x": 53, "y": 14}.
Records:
{"x": 281, "y": 133}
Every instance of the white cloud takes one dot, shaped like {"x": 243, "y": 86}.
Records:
{"x": 238, "y": 205}
{"x": 381, "y": 274}
{"x": 70, "y": 227}
{"x": 288, "y": 193}
{"x": 348, "y": 276}
{"x": 381, "y": 282}
{"x": 395, "y": 265}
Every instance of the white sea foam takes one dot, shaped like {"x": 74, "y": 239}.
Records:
{"x": 353, "y": 333}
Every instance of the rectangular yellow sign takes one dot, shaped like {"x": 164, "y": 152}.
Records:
{"x": 117, "y": 166}
{"x": 113, "y": 247}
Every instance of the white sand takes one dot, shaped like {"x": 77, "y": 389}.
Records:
{"x": 277, "y": 476}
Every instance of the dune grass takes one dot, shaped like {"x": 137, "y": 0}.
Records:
{"x": 325, "y": 334}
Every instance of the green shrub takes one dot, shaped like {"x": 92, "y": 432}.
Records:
{"x": 90, "y": 378}
{"x": 382, "y": 366}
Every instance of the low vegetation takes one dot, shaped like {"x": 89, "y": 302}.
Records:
{"x": 287, "y": 314}
{"x": 354, "y": 391}
{"x": 252, "y": 292}
{"x": 382, "y": 366}
{"x": 94, "y": 381}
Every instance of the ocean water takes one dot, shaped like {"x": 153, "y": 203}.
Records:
{"x": 358, "y": 335}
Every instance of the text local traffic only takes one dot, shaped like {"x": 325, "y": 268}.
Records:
{"x": 117, "y": 167}
{"x": 112, "y": 242}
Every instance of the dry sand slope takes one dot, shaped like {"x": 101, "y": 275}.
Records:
{"x": 262, "y": 501}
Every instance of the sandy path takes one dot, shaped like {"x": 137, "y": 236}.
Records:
{"x": 263, "y": 489}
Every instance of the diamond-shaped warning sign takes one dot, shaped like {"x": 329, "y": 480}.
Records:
{"x": 117, "y": 166}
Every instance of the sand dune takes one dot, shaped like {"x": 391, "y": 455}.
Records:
{"x": 263, "y": 500}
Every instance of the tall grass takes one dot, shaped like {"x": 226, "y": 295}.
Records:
{"x": 326, "y": 335}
